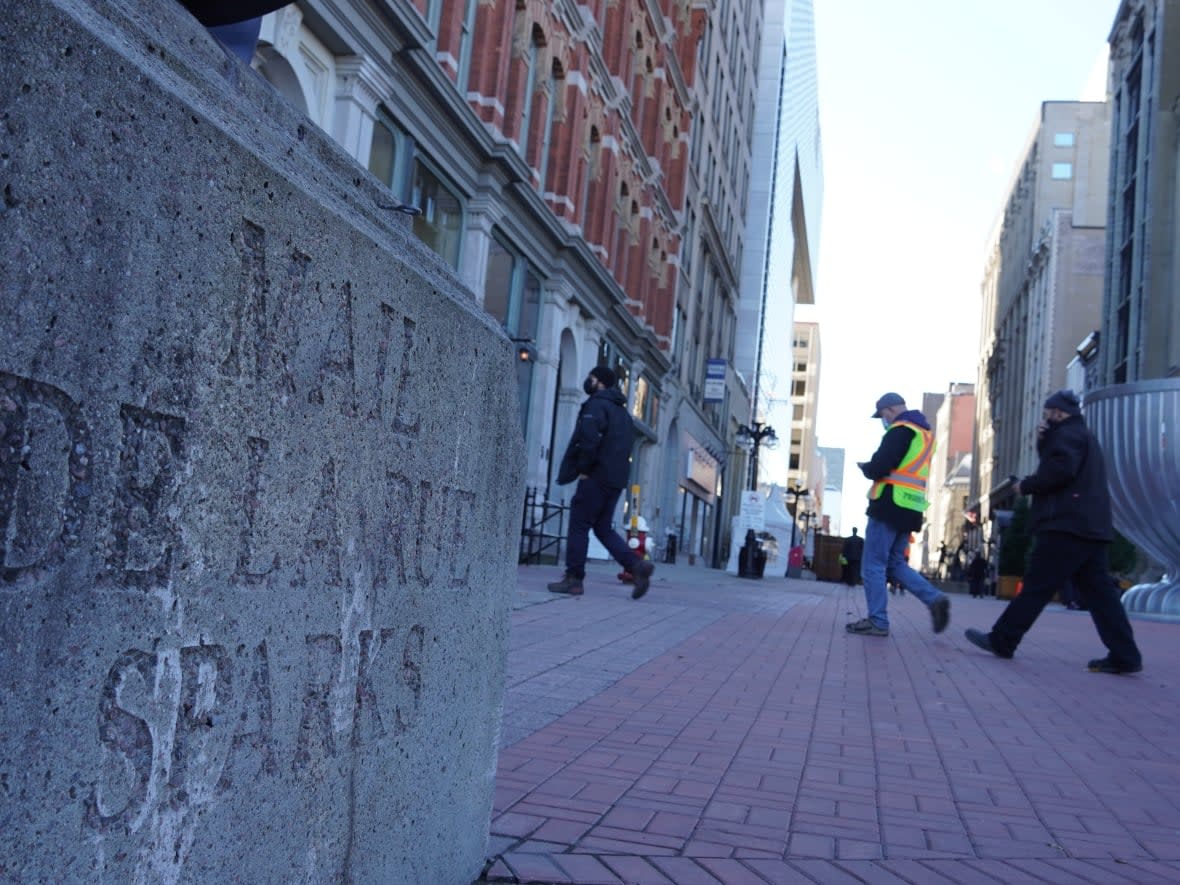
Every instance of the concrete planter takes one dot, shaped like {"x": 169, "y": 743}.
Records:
{"x": 1138, "y": 426}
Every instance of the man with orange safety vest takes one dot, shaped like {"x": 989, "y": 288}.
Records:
{"x": 897, "y": 499}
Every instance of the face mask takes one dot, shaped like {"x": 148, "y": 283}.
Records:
{"x": 885, "y": 423}
{"x": 588, "y": 386}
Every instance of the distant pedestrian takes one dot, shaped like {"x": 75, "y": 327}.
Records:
{"x": 977, "y": 575}
{"x": 598, "y": 457}
{"x": 897, "y": 500}
{"x": 852, "y": 550}
{"x": 1071, "y": 522}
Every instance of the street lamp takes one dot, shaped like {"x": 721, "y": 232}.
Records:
{"x": 798, "y": 493}
{"x": 750, "y": 439}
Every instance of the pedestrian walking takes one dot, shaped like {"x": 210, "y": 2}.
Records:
{"x": 851, "y": 551}
{"x": 1071, "y": 524}
{"x": 598, "y": 457}
{"x": 977, "y": 575}
{"x": 897, "y": 499}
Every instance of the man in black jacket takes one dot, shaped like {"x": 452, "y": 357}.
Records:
{"x": 598, "y": 457}
{"x": 851, "y": 551}
{"x": 1070, "y": 517}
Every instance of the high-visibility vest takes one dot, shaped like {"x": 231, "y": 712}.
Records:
{"x": 909, "y": 477}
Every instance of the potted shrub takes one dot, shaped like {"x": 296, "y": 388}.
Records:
{"x": 1015, "y": 543}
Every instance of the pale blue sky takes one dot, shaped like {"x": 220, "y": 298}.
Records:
{"x": 925, "y": 109}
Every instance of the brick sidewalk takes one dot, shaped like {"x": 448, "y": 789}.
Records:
{"x": 729, "y": 731}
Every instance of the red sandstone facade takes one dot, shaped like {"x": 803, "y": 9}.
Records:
{"x": 607, "y": 128}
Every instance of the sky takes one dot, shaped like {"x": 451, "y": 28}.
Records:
{"x": 926, "y": 107}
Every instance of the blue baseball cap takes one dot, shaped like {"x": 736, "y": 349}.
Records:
{"x": 889, "y": 399}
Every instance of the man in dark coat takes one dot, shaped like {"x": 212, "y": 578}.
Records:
{"x": 1070, "y": 519}
{"x": 852, "y": 550}
{"x": 598, "y": 457}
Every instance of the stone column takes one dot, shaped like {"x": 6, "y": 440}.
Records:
{"x": 484, "y": 212}
{"x": 360, "y": 86}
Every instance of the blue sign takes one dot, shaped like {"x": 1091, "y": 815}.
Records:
{"x": 715, "y": 381}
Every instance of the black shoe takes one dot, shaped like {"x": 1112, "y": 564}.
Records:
{"x": 642, "y": 576}
{"x": 568, "y": 585}
{"x": 1106, "y": 665}
{"x": 981, "y": 640}
{"x": 940, "y": 613}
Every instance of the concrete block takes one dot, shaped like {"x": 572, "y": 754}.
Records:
{"x": 260, "y": 483}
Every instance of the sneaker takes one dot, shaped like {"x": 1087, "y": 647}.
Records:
{"x": 1106, "y": 665}
{"x": 982, "y": 640}
{"x": 865, "y": 627}
{"x": 940, "y": 613}
{"x": 642, "y": 578}
{"x": 568, "y": 585}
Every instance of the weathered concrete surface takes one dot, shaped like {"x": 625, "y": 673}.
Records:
{"x": 259, "y": 480}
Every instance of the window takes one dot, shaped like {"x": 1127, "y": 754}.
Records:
{"x": 1063, "y": 170}
{"x": 639, "y": 409}
{"x": 530, "y": 79}
{"x": 466, "y": 41}
{"x": 395, "y": 160}
{"x": 391, "y": 154}
{"x": 1063, "y": 139}
{"x": 555, "y": 83}
{"x": 440, "y": 226}
{"x": 609, "y": 355}
{"x": 512, "y": 294}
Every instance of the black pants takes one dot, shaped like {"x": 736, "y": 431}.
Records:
{"x": 1056, "y": 558}
{"x": 591, "y": 509}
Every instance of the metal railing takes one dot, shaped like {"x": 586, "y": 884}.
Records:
{"x": 542, "y": 529}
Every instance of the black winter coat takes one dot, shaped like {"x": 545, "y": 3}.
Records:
{"x": 601, "y": 443}
{"x": 1069, "y": 488}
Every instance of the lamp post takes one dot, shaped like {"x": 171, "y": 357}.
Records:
{"x": 751, "y": 438}
{"x": 797, "y": 493}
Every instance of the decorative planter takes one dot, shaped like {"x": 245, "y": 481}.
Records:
{"x": 1008, "y": 586}
{"x": 1138, "y": 426}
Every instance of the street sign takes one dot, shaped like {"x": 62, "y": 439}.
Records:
{"x": 753, "y": 513}
{"x": 715, "y": 381}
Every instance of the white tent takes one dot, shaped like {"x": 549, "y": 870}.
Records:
{"x": 777, "y": 524}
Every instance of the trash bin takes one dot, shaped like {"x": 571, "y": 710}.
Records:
{"x": 751, "y": 557}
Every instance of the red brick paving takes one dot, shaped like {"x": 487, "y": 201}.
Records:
{"x": 768, "y": 746}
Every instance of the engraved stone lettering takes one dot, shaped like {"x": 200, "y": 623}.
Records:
{"x": 427, "y": 531}
{"x": 204, "y": 726}
{"x": 316, "y": 735}
{"x": 322, "y": 545}
{"x": 45, "y": 474}
{"x": 142, "y": 529}
{"x": 337, "y": 373}
{"x": 397, "y": 398}
{"x": 120, "y": 793}
{"x": 255, "y": 722}
{"x": 462, "y": 506}
{"x": 262, "y": 335}
{"x": 411, "y": 676}
{"x": 252, "y": 568}
{"x": 369, "y": 725}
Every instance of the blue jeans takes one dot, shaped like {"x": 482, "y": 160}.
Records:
{"x": 884, "y": 554}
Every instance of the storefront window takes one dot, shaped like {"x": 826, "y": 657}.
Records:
{"x": 395, "y": 160}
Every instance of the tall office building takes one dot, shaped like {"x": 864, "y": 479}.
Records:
{"x": 833, "y": 500}
{"x": 1042, "y": 290}
{"x": 783, "y": 217}
{"x": 707, "y": 400}
{"x": 803, "y": 459}
{"x": 1141, "y": 310}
